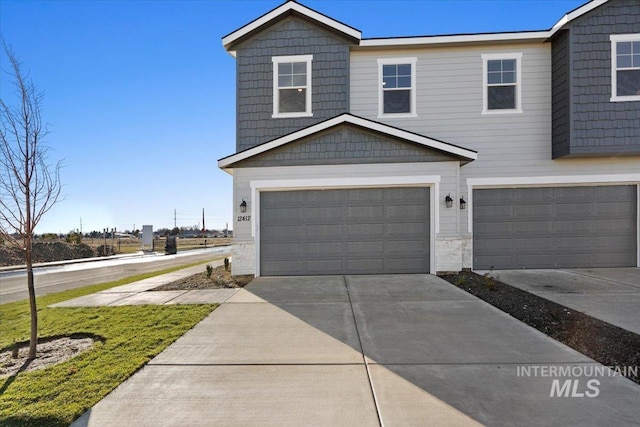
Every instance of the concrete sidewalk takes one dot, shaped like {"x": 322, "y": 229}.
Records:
{"x": 365, "y": 351}
{"x": 136, "y": 293}
{"x": 609, "y": 294}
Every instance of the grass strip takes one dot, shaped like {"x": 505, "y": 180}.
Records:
{"x": 132, "y": 335}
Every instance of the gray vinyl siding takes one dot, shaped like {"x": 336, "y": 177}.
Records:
{"x": 561, "y": 94}
{"x": 345, "y": 231}
{"x": 599, "y": 126}
{"x": 254, "y": 74}
{"x": 345, "y": 145}
{"x": 561, "y": 227}
{"x": 449, "y": 100}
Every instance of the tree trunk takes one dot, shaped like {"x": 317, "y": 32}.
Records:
{"x": 33, "y": 341}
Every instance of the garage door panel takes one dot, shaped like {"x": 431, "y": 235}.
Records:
{"x": 533, "y": 196}
{"x": 364, "y": 249}
{"x": 575, "y": 210}
{"x": 493, "y": 213}
{"x": 533, "y": 244}
{"x": 410, "y": 230}
{"x": 532, "y": 228}
{"x": 365, "y": 213}
{"x": 366, "y": 230}
{"x": 276, "y": 232}
{"x": 365, "y": 196}
{"x": 406, "y": 213}
{"x": 318, "y": 267}
{"x": 325, "y": 214}
{"x": 555, "y": 227}
{"x": 346, "y": 231}
{"x": 281, "y": 267}
{"x": 402, "y": 265}
{"x": 533, "y": 211}
{"x": 321, "y": 249}
{"x": 494, "y": 246}
{"x": 615, "y": 209}
{"x": 328, "y": 232}
{"x": 617, "y": 226}
{"x": 283, "y": 250}
{"x": 365, "y": 266}
{"x": 584, "y": 227}
{"x": 401, "y": 247}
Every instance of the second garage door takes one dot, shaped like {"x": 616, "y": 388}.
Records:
{"x": 560, "y": 227}
{"x": 345, "y": 231}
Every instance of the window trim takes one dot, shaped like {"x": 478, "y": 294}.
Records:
{"x": 517, "y": 56}
{"x": 615, "y": 38}
{"x": 395, "y": 61}
{"x": 276, "y": 60}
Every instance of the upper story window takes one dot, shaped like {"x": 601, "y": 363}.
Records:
{"x": 502, "y": 83}
{"x": 292, "y": 86}
{"x": 625, "y": 67}
{"x": 397, "y": 87}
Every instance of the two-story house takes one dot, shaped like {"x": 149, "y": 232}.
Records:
{"x": 437, "y": 153}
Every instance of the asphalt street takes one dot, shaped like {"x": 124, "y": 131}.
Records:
{"x": 50, "y": 279}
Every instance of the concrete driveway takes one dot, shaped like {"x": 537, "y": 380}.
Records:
{"x": 609, "y": 294}
{"x": 365, "y": 351}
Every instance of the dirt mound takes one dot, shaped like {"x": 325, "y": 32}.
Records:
{"x": 45, "y": 252}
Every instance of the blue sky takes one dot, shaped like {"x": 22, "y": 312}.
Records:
{"x": 140, "y": 95}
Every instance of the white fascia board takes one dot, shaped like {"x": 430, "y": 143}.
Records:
{"x": 576, "y": 14}
{"x": 252, "y": 26}
{"x": 379, "y": 127}
{"x": 457, "y": 39}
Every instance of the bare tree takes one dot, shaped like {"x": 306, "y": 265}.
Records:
{"x": 29, "y": 186}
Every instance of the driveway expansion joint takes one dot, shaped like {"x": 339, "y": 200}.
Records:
{"x": 364, "y": 358}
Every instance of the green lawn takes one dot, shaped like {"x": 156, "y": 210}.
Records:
{"x": 59, "y": 394}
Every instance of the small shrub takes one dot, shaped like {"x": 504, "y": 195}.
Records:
{"x": 460, "y": 281}
{"x": 226, "y": 264}
{"x": 209, "y": 271}
{"x": 489, "y": 281}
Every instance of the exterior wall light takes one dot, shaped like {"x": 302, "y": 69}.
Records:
{"x": 463, "y": 204}
{"x": 448, "y": 201}
{"x": 243, "y": 206}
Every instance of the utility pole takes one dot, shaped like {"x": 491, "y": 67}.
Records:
{"x": 174, "y": 219}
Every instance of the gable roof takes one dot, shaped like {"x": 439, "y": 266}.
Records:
{"x": 576, "y": 13}
{"x": 281, "y": 12}
{"x": 464, "y": 154}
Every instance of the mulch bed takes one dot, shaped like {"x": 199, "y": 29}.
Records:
{"x": 599, "y": 340}
{"x": 218, "y": 279}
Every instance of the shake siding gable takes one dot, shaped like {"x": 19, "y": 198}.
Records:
{"x": 345, "y": 145}
{"x": 597, "y": 126}
{"x": 330, "y": 84}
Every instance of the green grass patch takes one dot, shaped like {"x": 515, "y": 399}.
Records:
{"x": 133, "y": 335}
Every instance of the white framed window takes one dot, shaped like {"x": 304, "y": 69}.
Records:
{"x": 625, "y": 67}
{"x": 292, "y": 86}
{"x": 501, "y": 83}
{"x": 397, "y": 87}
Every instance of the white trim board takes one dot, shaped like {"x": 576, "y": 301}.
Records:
{"x": 357, "y": 121}
{"x": 431, "y": 181}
